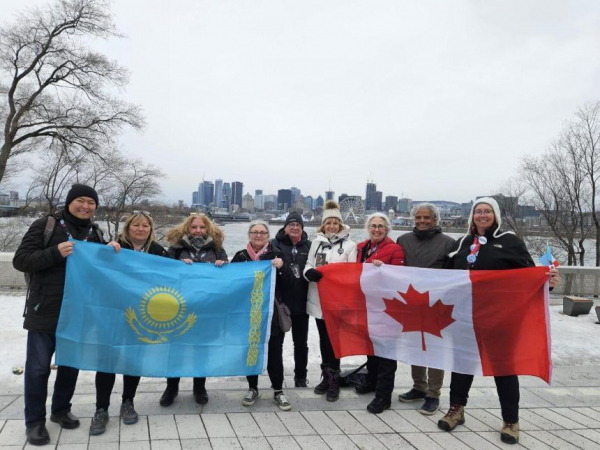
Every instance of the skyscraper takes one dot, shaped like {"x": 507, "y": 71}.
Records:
{"x": 329, "y": 195}
{"x": 284, "y": 199}
{"x": 319, "y": 202}
{"x": 218, "y": 192}
{"x": 391, "y": 202}
{"x": 310, "y": 202}
{"x": 295, "y": 194}
{"x": 237, "y": 192}
{"x": 208, "y": 193}
{"x": 226, "y": 195}
{"x": 371, "y": 198}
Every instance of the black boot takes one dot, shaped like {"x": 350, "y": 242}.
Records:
{"x": 323, "y": 386}
{"x": 38, "y": 434}
{"x": 333, "y": 393}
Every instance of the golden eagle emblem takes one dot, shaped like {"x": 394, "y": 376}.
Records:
{"x": 163, "y": 315}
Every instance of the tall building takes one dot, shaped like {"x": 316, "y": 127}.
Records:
{"x": 391, "y": 202}
{"x": 226, "y": 202}
{"x": 284, "y": 199}
{"x": 378, "y": 200}
{"x": 371, "y": 198}
{"x": 248, "y": 202}
{"x": 219, "y": 193}
{"x": 295, "y": 194}
{"x": 404, "y": 205}
{"x": 269, "y": 202}
{"x": 329, "y": 195}
{"x": 208, "y": 193}
{"x": 237, "y": 192}
{"x": 319, "y": 202}
{"x": 195, "y": 200}
{"x": 310, "y": 202}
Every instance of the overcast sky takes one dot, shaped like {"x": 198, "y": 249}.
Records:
{"x": 433, "y": 100}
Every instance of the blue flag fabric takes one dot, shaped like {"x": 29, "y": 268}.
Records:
{"x": 145, "y": 315}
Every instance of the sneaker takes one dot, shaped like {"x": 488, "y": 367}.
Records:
{"x": 430, "y": 406}
{"x": 128, "y": 413}
{"x": 412, "y": 396}
{"x": 99, "y": 421}
{"x": 378, "y": 405}
{"x": 282, "y": 401}
{"x": 201, "y": 396}
{"x": 300, "y": 382}
{"x": 454, "y": 417}
{"x": 250, "y": 398}
{"x": 510, "y": 433}
{"x": 168, "y": 396}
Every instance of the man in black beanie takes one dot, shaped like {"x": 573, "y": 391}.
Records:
{"x": 293, "y": 244}
{"x": 43, "y": 253}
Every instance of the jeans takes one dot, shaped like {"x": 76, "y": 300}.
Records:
{"x": 40, "y": 348}
{"x": 300, "y": 337}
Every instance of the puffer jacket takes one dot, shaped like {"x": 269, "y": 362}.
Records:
{"x": 427, "y": 249}
{"x": 293, "y": 290}
{"x": 207, "y": 254}
{"x": 386, "y": 251}
{"x": 47, "y": 268}
{"x": 337, "y": 249}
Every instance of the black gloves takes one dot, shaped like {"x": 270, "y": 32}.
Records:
{"x": 313, "y": 275}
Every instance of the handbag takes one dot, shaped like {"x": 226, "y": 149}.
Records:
{"x": 284, "y": 316}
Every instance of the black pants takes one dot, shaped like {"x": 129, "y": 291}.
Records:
{"x": 40, "y": 348}
{"x": 199, "y": 383}
{"x": 382, "y": 373}
{"x": 300, "y": 337}
{"x": 274, "y": 364}
{"x": 508, "y": 392}
{"x": 327, "y": 356}
{"x": 104, "y": 386}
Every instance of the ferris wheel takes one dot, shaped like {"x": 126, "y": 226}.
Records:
{"x": 353, "y": 210}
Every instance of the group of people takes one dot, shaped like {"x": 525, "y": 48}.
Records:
{"x": 46, "y": 247}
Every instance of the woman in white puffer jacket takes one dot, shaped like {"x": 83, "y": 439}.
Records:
{"x": 331, "y": 245}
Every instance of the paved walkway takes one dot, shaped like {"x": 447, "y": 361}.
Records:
{"x": 564, "y": 416}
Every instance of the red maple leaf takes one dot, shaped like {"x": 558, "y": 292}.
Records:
{"x": 417, "y": 315}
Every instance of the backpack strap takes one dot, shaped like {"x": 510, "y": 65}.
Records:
{"x": 49, "y": 230}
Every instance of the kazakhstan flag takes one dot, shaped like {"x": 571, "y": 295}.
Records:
{"x": 140, "y": 314}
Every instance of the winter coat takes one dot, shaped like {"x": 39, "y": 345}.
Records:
{"x": 387, "y": 252}
{"x": 293, "y": 289}
{"x": 243, "y": 256}
{"x": 428, "y": 249}
{"x": 208, "y": 254}
{"x": 47, "y": 268}
{"x": 155, "y": 248}
{"x": 338, "y": 249}
{"x": 501, "y": 253}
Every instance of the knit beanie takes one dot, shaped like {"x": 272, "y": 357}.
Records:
{"x": 331, "y": 210}
{"x": 294, "y": 217}
{"x": 488, "y": 201}
{"x": 81, "y": 190}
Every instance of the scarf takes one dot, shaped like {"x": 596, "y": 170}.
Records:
{"x": 255, "y": 256}
{"x": 197, "y": 242}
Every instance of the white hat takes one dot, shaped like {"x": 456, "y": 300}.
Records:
{"x": 331, "y": 210}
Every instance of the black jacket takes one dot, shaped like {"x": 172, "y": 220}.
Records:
{"x": 243, "y": 256}
{"x": 208, "y": 254}
{"x": 293, "y": 290}
{"x": 48, "y": 268}
{"x": 504, "y": 252}
{"x": 155, "y": 248}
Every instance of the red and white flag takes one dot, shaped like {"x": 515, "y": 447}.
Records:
{"x": 479, "y": 322}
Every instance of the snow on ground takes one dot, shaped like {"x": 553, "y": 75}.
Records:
{"x": 574, "y": 342}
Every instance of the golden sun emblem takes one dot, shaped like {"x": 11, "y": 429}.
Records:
{"x": 163, "y": 315}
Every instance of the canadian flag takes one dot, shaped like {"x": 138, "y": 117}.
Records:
{"x": 479, "y": 322}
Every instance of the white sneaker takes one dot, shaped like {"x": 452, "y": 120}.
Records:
{"x": 282, "y": 401}
{"x": 250, "y": 398}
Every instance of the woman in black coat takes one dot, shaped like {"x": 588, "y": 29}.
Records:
{"x": 196, "y": 240}
{"x": 260, "y": 249}
{"x": 138, "y": 235}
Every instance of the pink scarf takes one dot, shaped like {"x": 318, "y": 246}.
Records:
{"x": 255, "y": 256}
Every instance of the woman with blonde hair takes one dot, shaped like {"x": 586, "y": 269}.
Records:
{"x": 331, "y": 245}
{"x": 196, "y": 239}
{"x": 137, "y": 235}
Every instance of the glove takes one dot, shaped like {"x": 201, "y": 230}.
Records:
{"x": 313, "y": 275}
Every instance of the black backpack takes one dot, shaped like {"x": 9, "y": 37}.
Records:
{"x": 354, "y": 377}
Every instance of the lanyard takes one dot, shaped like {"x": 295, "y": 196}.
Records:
{"x": 294, "y": 253}
{"x": 64, "y": 227}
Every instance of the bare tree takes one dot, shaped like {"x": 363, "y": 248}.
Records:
{"x": 11, "y": 232}
{"x": 54, "y": 87}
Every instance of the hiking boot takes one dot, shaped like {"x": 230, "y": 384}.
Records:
{"x": 323, "y": 386}
{"x": 364, "y": 388}
{"x": 66, "y": 419}
{"x": 99, "y": 421}
{"x": 510, "y": 433}
{"x": 412, "y": 396}
{"x": 37, "y": 434}
{"x": 201, "y": 396}
{"x": 430, "y": 406}
{"x": 333, "y": 393}
{"x": 378, "y": 405}
{"x": 168, "y": 396}
{"x": 282, "y": 401}
{"x": 250, "y": 398}
{"x": 128, "y": 413}
{"x": 455, "y": 416}
{"x": 300, "y": 382}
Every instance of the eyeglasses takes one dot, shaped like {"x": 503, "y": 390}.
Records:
{"x": 485, "y": 212}
{"x": 377, "y": 226}
{"x": 259, "y": 233}
{"x": 294, "y": 225}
